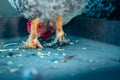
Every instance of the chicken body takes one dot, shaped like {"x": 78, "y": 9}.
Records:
{"x": 58, "y": 12}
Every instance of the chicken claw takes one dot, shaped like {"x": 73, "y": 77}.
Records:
{"x": 59, "y": 30}
{"x": 32, "y": 41}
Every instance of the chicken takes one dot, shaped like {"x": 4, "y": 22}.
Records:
{"x": 57, "y": 12}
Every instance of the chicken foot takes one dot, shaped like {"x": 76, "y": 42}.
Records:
{"x": 32, "y": 41}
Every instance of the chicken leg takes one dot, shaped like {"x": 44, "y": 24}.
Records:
{"x": 59, "y": 33}
{"x": 59, "y": 30}
{"x": 32, "y": 41}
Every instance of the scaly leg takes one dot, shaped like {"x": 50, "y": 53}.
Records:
{"x": 59, "y": 33}
{"x": 32, "y": 41}
{"x": 59, "y": 30}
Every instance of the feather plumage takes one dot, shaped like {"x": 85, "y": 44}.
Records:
{"x": 49, "y": 9}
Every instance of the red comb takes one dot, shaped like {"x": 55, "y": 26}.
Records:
{"x": 41, "y": 30}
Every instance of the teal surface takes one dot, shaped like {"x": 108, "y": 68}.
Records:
{"x": 82, "y": 59}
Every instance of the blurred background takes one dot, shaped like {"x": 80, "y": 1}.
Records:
{"x": 92, "y": 54}
{"x": 6, "y": 9}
